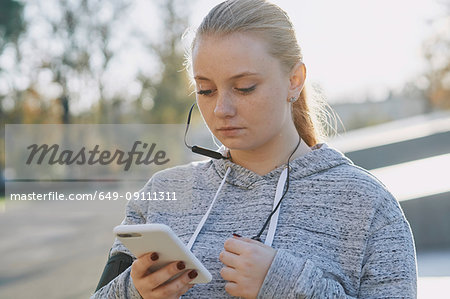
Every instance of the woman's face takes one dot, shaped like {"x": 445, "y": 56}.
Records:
{"x": 242, "y": 91}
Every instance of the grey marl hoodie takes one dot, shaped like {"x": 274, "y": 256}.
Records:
{"x": 340, "y": 233}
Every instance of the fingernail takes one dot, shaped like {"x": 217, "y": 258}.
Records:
{"x": 154, "y": 256}
{"x": 192, "y": 274}
{"x": 181, "y": 265}
{"x": 237, "y": 235}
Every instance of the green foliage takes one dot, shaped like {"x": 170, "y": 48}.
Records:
{"x": 11, "y": 22}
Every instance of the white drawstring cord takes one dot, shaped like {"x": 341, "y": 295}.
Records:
{"x": 202, "y": 222}
{"x": 274, "y": 220}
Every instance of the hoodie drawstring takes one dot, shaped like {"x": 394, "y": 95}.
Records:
{"x": 202, "y": 222}
{"x": 273, "y": 221}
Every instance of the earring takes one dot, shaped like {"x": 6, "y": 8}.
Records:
{"x": 292, "y": 99}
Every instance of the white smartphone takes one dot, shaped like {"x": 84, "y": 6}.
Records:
{"x": 160, "y": 238}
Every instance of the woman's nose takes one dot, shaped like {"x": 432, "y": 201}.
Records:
{"x": 224, "y": 106}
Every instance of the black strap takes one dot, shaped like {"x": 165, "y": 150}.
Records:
{"x": 115, "y": 265}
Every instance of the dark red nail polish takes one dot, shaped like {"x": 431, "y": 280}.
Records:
{"x": 181, "y": 265}
{"x": 154, "y": 256}
{"x": 192, "y": 274}
{"x": 237, "y": 235}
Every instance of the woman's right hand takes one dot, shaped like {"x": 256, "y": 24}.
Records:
{"x": 151, "y": 285}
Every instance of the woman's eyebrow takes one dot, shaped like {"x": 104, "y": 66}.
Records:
{"x": 240, "y": 75}
{"x": 244, "y": 74}
{"x": 201, "y": 78}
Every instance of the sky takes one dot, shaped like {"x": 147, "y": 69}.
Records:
{"x": 357, "y": 48}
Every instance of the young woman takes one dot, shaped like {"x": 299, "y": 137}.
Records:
{"x": 336, "y": 233}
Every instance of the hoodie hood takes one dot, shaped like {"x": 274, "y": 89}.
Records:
{"x": 322, "y": 157}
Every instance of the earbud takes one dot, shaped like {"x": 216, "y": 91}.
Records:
{"x": 197, "y": 149}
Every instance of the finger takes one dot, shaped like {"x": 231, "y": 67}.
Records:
{"x": 177, "y": 286}
{"x": 160, "y": 276}
{"x": 235, "y": 245}
{"x": 249, "y": 240}
{"x": 228, "y": 258}
{"x": 232, "y": 289}
{"x": 140, "y": 266}
{"x": 240, "y": 246}
{"x": 252, "y": 241}
{"x": 229, "y": 274}
{"x": 186, "y": 288}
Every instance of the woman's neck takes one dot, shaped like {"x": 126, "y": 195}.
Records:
{"x": 264, "y": 161}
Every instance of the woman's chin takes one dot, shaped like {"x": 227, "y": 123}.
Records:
{"x": 237, "y": 145}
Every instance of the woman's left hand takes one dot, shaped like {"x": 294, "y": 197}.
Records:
{"x": 246, "y": 264}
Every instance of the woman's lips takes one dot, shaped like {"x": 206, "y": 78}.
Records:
{"x": 229, "y": 131}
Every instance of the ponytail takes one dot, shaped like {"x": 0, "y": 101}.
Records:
{"x": 302, "y": 119}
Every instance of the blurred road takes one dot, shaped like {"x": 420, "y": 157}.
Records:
{"x": 55, "y": 249}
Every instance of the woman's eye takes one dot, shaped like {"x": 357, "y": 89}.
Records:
{"x": 246, "y": 90}
{"x": 205, "y": 92}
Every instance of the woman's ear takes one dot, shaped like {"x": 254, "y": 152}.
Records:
{"x": 297, "y": 79}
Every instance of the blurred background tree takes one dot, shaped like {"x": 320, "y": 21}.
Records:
{"x": 85, "y": 52}
{"x": 11, "y": 22}
{"x": 62, "y": 67}
{"x": 168, "y": 96}
{"x": 437, "y": 54}
{"x": 12, "y": 25}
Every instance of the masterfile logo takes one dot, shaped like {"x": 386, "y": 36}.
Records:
{"x": 93, "y": 151}
{"x": 94, "y": 156}
{"x": 84, "y": 163}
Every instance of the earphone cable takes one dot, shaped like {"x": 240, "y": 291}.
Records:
{"x": 187, "y": 126}
{"x": 258, "y": 236}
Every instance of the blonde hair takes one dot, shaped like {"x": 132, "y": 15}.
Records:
{"x": 274, "y": 26}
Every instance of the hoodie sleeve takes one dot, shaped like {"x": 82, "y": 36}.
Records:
{"x": 389, "y": 270}
{"x": 122, "y": 286}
